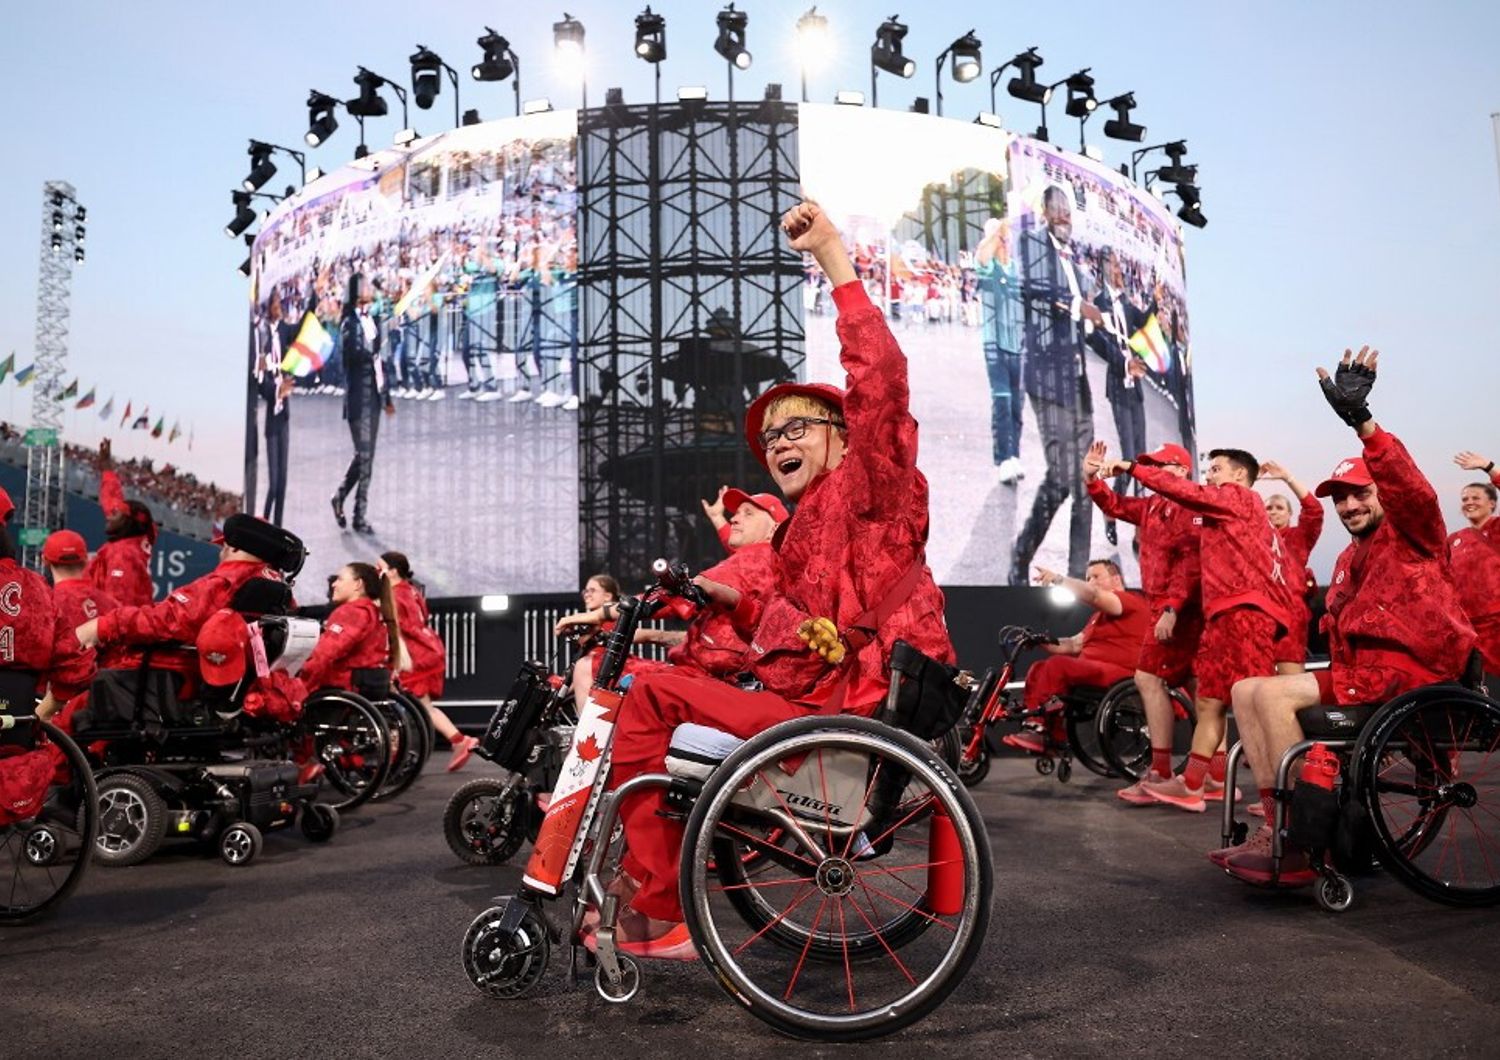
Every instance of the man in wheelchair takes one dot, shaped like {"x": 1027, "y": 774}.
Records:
{"x": 1394, "y": 622}
{"x": 850, "y": 580}
{"x": 1101, "y": 654}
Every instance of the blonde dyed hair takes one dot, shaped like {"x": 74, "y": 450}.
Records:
{"x": 803, "y": 405}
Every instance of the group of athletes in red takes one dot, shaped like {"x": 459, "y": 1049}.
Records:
{"x": 804, "y": 612}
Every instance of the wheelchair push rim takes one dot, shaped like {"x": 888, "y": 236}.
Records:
{"x": 44, "y": 857}
{"x": 851, "y": 886}
{"x": 350, "y": 740}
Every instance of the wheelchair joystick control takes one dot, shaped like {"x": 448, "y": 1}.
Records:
{"x": 1320, "y": 767}
{"x": 945, "y": 870}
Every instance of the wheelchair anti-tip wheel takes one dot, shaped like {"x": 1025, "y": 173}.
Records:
{"x": 873, "y": 904}
{"x": 504, "y": 963}
{"x": 240, "y": 843}
{"x": 132, "y": 820}
{"x": 628, "y": 986}
{"x": 319, "y": 822}
{"x": 44, "y": 857}
{"x": 1045, "y": 765}
{"x": 1335, "y": 894}
{"x": 486, "y": 821}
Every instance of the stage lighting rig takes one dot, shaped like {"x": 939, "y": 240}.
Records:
{"x": 567, "y": 45}
{"x": 499, "y": 62}
{"x": 730, "y": 43}
{"x": 886, "y": 54}
{"x": 57, "y": 220}
{"x": 321, "y": 124}
{"x": 1081, "y": 102}
{"x": 812, "y": 42}
{"x": 650, "y": 36}
{"x": 1120, "y": 127}
{"x": 249, "y": 245}
{"x": 1024, "y": 86}
{"x": 427, "y": 68}
{"x": 263, "y": 169}
{"x": 1176, "y": 172}
{"x": 244, "y": 216}
{"x": 1191, "y": 212}
{"x": 966, "y": 63}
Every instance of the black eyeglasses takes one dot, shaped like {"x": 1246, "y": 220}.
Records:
{"x": 794, "y": 429}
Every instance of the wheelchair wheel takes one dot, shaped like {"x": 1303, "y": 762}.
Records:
{"x": 881, "y": 887}
{"x": 350, "y": 739}
{"x": 502, "y": 963}
{"x": 421, "y": 712}
{"x": 239, "y": 843}
{"x": 486, "y": 821}
{"x": 43, "y": 858}
{"x": 1124, "y": 736}
{"x": 972, "y": 773}
{"x": 132, "y": 820}
{"x": 1084, "y": 741}
{"x": 408, "y": 746}
{"x": 319, "y": 822}
{"x": 1427, "y": 774}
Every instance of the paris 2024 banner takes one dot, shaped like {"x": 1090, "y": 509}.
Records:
{"x": 1039, "y": 297}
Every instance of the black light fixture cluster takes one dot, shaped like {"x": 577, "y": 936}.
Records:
{"x": 887, "y": 54}
{"x": 427, "y": 69}
{"x": 967, "y": 64}
{"x": 60, "y": 222}
{"x": 262, "y": 169}
{"x": 499, "y": 63}
{"x": 730, "y": 42}
{"x": 1182, "y": 176}
{"x": 650, "y": 36}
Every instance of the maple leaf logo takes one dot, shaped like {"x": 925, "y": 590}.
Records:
{"x": 588, "y": 749}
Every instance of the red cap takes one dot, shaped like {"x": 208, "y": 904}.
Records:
{"x": 766, "y": 502}
{"x": 65, "y": 548}
{"x": 1351, "y": 473}
{"x": 7, "y": 507}
{"x": 217, "y": 537}
{"x": 222, "y": 643}
{"x": 1170, "y": 453}
{"x": 755, "y": 415}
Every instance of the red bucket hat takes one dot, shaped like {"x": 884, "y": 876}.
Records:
{"x": 766, "y": 502}
{"x": 1167, "y": 454}
{"x": 1351, "y": 473}
{"x": 755, "y": 415}
{"x": 222, "y": 644}
{"x": 65, "y": 548}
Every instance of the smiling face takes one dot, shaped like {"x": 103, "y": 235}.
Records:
{"x": 1279, "y": 511}
{"x": 345, "y": 586}
{"x": 795, "y": 461}
{"x": 595, "y": 595}
{"x": 750, "y": 525}
{"x": 1358, "y": 508}
{"x": 1476, "y": 504}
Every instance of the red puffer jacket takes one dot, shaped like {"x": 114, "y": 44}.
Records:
{"x": 354, "y": 638}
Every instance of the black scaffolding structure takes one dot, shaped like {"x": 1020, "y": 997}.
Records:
{"x": 689, "y": 308}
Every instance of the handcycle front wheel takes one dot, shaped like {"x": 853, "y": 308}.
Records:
{"x": 883, "y": 837}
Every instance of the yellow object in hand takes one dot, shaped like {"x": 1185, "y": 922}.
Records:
{"x": 822, "y": 636}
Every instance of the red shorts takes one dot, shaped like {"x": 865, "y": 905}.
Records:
{"x": 1172, "y": 660}
{"x": 1236, "y": 644}
{"x": 1291, "y": 646}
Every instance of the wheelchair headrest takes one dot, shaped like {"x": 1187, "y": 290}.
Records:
{"x": 280, "y": 548}
{"x": 262, "y": 596}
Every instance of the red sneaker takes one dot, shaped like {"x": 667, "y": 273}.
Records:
{"x": 1028, "y": 739}
{"x": 1262, "y": 838}
{"x": 1213, "y": 790}
{"x": 461, "y": 752}
{"x": 1175, "y": 792}
{"x": 639, "y": 936}
{"x": 1252, "y": 863}
{"x": 1136, "y": 795}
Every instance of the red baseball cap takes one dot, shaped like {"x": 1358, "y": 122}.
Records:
{"x": 7, "y": 507}
{"x": 222, "y": 644}
{"x": 1171, "y": 453}
{"x": 65, "y": 548}
{"x": 766, "y": 502}
{"x": 755, "y": 415}
{"x": 217, "y": 536}
{"x": 1351, "y": 473}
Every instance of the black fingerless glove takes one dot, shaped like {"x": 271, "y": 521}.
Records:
{"x": 1348, "y": 392}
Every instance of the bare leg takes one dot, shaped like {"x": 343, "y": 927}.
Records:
{"x": 1158, "y": 704}
{"x": 1247, "y": 718}
{"x": 1211, "y": 727}
{"x": 1285, "y": 668}
{"x": 440, "y": 721}
{"x": 1277, "y": 704}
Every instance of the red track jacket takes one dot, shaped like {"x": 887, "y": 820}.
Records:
{"x": 1169, "y": 543}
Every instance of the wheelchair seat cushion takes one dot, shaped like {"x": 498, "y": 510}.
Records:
{"x": 1335, "y": 722}
{"x": 697, "y": 749}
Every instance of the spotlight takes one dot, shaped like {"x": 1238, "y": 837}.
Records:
{"x": 57, "y": 198}
{"x": 1120, "y": 127}
{"x": 56, "y": 244}
{"x": 78, "y": 254}
{"x": 321, "y": 123}
{"x": 567, "y": 39}
{"x": 244, "y": 216}
{"x": 81, "y": 215}
{"x": 498, "y": 62}
{"x": 1081, "y": 101}
{"x": 78, "y": 233}
{"x": 731, "y": 40}
{"x": 886, "y": 54}
{"x": 494, "y": 603}
{"x": 1024, "y": 86}
{"x": 404, "y": 137}
{"x": 369, "y": 103}
{"x": 650, "y": 36}
{"x": 692, "y": 94}
{"x": 57, "y": 220}
{"x": 1191, "y": 212}
{"x": 812, "y": 35}
{"x": 986, "y": 118}
{"x": 849, "y": 98}
{"x": 1177, "y": 173}
{"x": 262, "y": 168}
{"x": 426, "y": 76}
{"x": 966, "y": 65}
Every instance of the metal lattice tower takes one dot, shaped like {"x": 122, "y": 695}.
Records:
{"x": 61, "y": 248}
{"x": 691, "y": 306}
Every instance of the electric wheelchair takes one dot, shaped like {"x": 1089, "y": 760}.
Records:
{"x": 868, "y": 894}
{"x": 1418, "y": 794}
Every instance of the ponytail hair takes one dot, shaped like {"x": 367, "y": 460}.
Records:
{"x": 398, "y": 562}
{"x": 378, "y": 588}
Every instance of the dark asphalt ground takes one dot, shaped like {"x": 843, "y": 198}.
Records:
{"x": 1112, "y": 937}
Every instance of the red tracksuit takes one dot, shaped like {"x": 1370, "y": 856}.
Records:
{"x": 1474, "y": 553}
{"x": 856, "y": 531}
{"x": 354, "y": 637}
{"x": 1245, "y": 596}
{"x": 1111, "y": 644}
{"x": 1168, "y": 535}
{"x": 121, "y": 567}
{"x": 1394, "y": 619}
{"x": 77, "y": 601}
{"x": 429, "y": 657}
{"x": 1297, "y": 543}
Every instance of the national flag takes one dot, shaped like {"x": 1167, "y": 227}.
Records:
{"x": 125, "y": 418}
{"x": 1150, "y": 345}
{"x": 175, "y": 432}
{"x": 109, "y": 408}
{"x": 419, "y": 286}
{"x": 143, "y": 421}
{"x": 309, "y": 350}
{"x": 156, "y": 431}
{"x": 7, "y": 366}
{"x": 190, "y": 437}
{"x": 86, "y": 401}
{"x": 69, "y": 392}
{"x": 23, "y": 375}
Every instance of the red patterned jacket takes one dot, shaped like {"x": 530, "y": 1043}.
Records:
{"x": 354, "y": 637}
{"x": 122, "y": 567}
{"x": 714, "y": 645}
{"x": 30, "y": 635}
{"x": 857, "y": 531}
{"x": 428, "y": 656}
{"x": 1239, "y": 555}
{"x": 1394, "y": 620}
{"x": 77, "y": 600}
{"x": 1169, "y": 536}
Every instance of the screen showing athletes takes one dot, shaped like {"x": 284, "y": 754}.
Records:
{"x": 414, "y": 335}
{"x": 1019, "y": 355}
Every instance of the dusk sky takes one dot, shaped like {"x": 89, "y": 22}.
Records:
{"x": 1346, "y": 154}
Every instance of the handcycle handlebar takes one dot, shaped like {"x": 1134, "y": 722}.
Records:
{"x": 672, "y": 579}
{"x": 677, "y": 580}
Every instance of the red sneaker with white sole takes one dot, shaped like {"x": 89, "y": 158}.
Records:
{"x": 1175, "y": 792}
